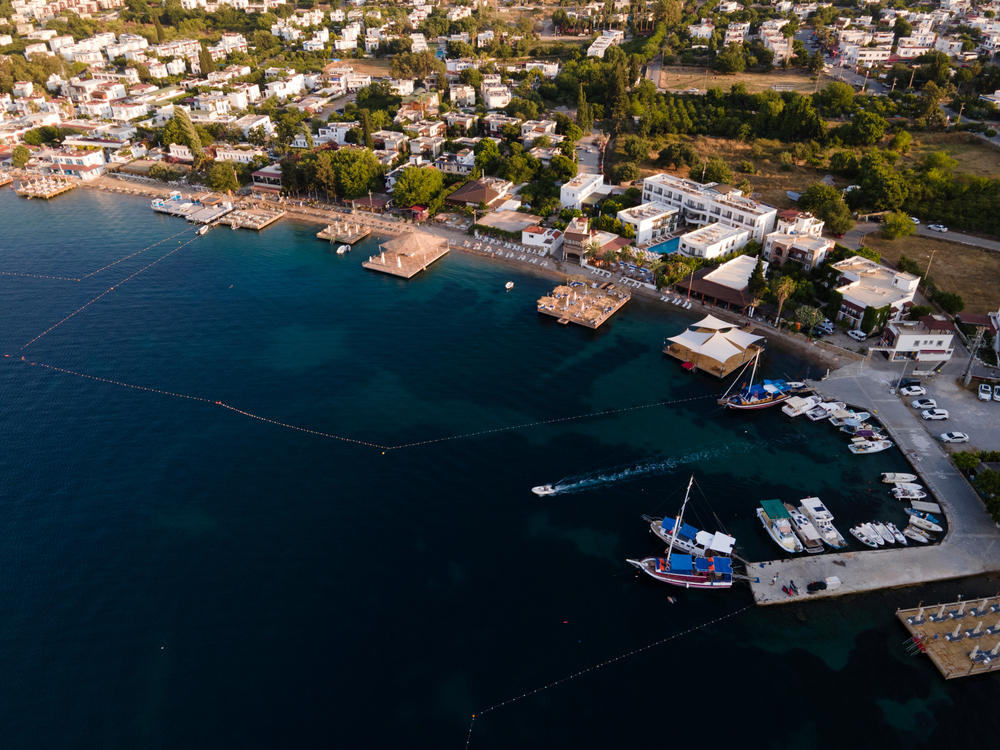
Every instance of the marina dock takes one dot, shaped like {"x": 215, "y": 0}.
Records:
{"x": 407, "y": 254}
{"x": 588, "y": 306}
{"x": 969, "y": 548}
{"x": 252, "y": 218}
{"x": 44, "y": 187}
{"x": 961, "y": 638}
{"x": 344, "y": 232}
{"x": 201, "y": 211}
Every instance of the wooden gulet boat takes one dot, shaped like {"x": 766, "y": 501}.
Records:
{"x": 685, "y": 570}
{"x": 763, "y": 395}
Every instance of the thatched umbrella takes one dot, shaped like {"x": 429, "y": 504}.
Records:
{"x": 562, "y": 290}
{"x": 546, "y": 301}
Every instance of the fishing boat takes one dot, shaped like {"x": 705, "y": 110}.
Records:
{"x": 797, "y": 406}
{"x": 343, "y": 249}
{"x": 900, "y": 494}
{"x": 873, "y": 534}
{"x": 921, "y": 514}
{"x": 544, "y": 489}
{"x": 203, "y": 230}
{"x": 884, "y": 532}
{"x": 686, "y": 570}
{"x": 778, "y": 525}
{"x": 823, "y": 521}
{"x": 923, "y": 523}
{"x": 804, "y": 530}
{"x": 691, "y": 540}
{"x": 895, "y": 477}
{"x": 823, "y": 411}
{"x": 862, "y": 446}
{"x": 762, "y": 395}
{"x": 896, "y": 533}
{"x": 912, "y": 532}
{"x": 862, "y": 536}
{"x": 840, "y": 417}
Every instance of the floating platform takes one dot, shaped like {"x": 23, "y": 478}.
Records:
{"x": 252, "y": 218}
{"x": 407, "y": 254}
{"x": 961, "y": 638}
{"x": 587, "y": 306}
{"x": 196, "y": 213}
{"x": 44, "y": 187}
{"x": 344, "y": 233}
{"x": 714, "y": 346}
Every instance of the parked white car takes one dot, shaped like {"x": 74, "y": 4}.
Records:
{"x": 913, "y": 390}
{"x": 914, "y": 219}
{"x": 996, "y": 393}
{"x": 938, "y": 228}
{"x": 954, "y": 437}
{"x": 985, "y": 393}
{"x": 934, "y": 414}
{"x": 857, "y": 335}
{"x": 924, "y": 403}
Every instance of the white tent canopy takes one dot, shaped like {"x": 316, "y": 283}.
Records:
{"x": 742, "y": 339}
{"x": 718, "y": 348}
{"x": 710, "y": 321}
{"x": 692, "y": 340}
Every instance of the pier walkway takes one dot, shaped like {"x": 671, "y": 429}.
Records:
{"x": 970, "y": 547}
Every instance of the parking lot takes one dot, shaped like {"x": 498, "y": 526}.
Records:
{"x": 980, "y": 420}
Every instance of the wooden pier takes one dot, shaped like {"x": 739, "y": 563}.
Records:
{"x": 407, "y": 254}
{"x": 345, "y": 233}
{"x": 252, "y": 218}
{"x": 588, "y": 306}
{"x": 961, "y": 638}
{"x": 44, "y": 187}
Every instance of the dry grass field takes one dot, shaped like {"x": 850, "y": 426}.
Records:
{"x": 678, "y": 78}
{"x": 969, "y": 271}
{"x": 973, "y": 155}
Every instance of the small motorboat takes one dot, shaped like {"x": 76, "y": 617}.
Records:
{"x": 912, "y": 532}
{"x": 805, "y": 530}
{"x": 895, "y": 477}
{"x": 873, "y": 534}
{"x": 823, "y": 521}
{"x": 884, "y": 532}
{"x": 923, "y": 523}
{"x": 859, "y": 533}
{"x": 902, "y": 494}
{"x": 203, "y": 230}
{"x": 862, "y": 447}
{"x": 824, "y": 410}
{"x": 544, "y": 489}
{"x": 909, "y": 486}
{"x": 920, "y": 514}
{"x": 839, "y": 419}
{"x": 778, "y": 525}
{"x": 896, "y": 533}
{"x": 796, "y": 405}
{"x": 509, "y": 285}
{"x": 343, "y": 249}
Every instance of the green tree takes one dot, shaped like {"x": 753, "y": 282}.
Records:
{"x": 487, "y": 156}
{"x": 625, "y": 172}
{"x": 222, "y": 177}
{"x": 965, "y": 460}
{"x": 205, "y": 61}
{"x": 358, "y": 172}
{"x": 809, "y": 316}
{"x": 562, "y": 168}
{"x": 161, "y": 36}
{"x": 635, "y": 148}
{"x": 816, "y": 195}
{"x": 20, "y": 156}
{"x": 901, "y": 141}
{"x": 782, "y": 288}
{"x": 583, "y": 117}
{"x": 950, "y": 302}
{"x": 836, "y": 216}
{"x": 845, "y": 163}
{"x": 366, "y": 128}
{"x": 730, "y": 60}
{"x": 867, "y": 129}
{"x": 837, "y": 98}
{"x": 714, "y": 170}
{"x": 257, "y": 136}
{"x": 181, "y": 130}
{"x": 416, "y": 186}
{"x": 897, "y": 224}
{"x": 758, "y": 283}
{"x": 901, "y": 28}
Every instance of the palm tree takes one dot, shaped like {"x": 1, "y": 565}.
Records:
{"x": 593, "y": 250}
{"x": 782, "y": 287}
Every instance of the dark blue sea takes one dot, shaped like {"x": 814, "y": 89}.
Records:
{"x": 176, "y": 573}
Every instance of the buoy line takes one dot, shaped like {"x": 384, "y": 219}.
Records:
{"x": 602, "y": 664}
{"x": 108, "y": 291}
{"x": 87, "y": 276}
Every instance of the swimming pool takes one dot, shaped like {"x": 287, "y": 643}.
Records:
{"x": 666, "y": 247}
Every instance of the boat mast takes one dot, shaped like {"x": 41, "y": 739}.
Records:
{"x": 677, "y": 521}
{"x": 754, "y": 362}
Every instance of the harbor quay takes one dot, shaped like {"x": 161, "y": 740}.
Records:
{"x": 970, "y": 547}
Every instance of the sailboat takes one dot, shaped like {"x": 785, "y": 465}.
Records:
{"x": 685, "y": 570}
{"x": 767, "y": 393}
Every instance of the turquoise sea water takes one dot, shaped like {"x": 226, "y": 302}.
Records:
{"x": 174, "y": 573}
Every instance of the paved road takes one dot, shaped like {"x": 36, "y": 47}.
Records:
{"x": 653, "y": 69}
{"x": 852, "y": 239}
{"x": 587, "y": 161}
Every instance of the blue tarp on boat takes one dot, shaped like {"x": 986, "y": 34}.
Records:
{"x": 680, "y": 563}
{"x": 688, "y": 531}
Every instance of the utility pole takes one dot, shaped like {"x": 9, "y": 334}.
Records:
{"x": 927, "y": 273}
{"x": 972, "y": 356}
{"x": 911, "y": 77}
{"x": 960, "y": 109}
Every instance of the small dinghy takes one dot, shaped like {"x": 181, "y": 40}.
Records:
{"x": 343, "y": 249}
{"x": 920, "y": 514}
{"x": 861, "y": 447}
{"x": 544, "y": 489}
{"x": 895, "y": 477}
{"x": 900, "y": 494}
{"x": 884, "y": 533}
{"x": 862, "y": 536}
{"x": 896, "y": 533}
{"x": 924, "y": 524}
{"x": 912, "y": 532}
{"x": 509, "y": 285}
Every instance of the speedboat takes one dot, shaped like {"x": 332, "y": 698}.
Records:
{"x": 909, "y": 486}
{"x": 920, "y": 514}
{"x": 901, "y": 494}
{"x": 823, "y": 411}
{"x": 691, "y": 540}
{"x": 862, "y": 536}
{"x": 343, "y": 249}
{"x": 872, "y": 534}
{"x": 917, "y": 535}
{"x": 862, "y": 447}
{"x": 796, "y": 405}
{"x": 923, "y": 523}
{"x": 884, "y": 532}
{"x": 896, "y": 533}
{"x": 805, "y": 530}
{"x": 895, "y": 477}
{"x": 823, "y": 521}
{"x": 544, "y": 489}
{"x": 840, "y": 417}
{"x": 203, "y": 230}
{"x": 778, "y": 525}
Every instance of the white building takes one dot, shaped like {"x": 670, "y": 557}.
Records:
{"x": 704, "y": 30}
{"x": 863, "y": 283}
{"x": 548, "y": 240}
{"x": 649, "y": 220}
{"x": 401, "y": 86}
{"x": 243, "y": 153}
{"x": 462, "y": 95}
{"x": 930, "y": 339}
{"x": 496, "y": 97}
{"x": 573, "y": 193}
{"x": 855, "y": 56}
{"x": 706, "y": 204}
{"x": 712, "y": 241}
{"x": 798, "y": 237}
{"x": 250, "y": 122}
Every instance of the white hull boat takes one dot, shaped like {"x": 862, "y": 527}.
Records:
{"x": 203, "y": 230}
{"x": 884, "y": 532}
{"x": 912, "y": 532}
{"x": 804, "y": 530}
{"x": 690, "y": 540}
{"x": 873, "y": 534}
{"x": 343, "y": 249}
{"x": 896, "y": 533}
{"x": 779, "y": 526}
{"x": 544, "y": 489}
{"x": 901, "y": 494}
{"x": 863, "y": 447}
{"x": 923, "y": 523}
{"x": 823, "y": 521}
{"x": 796, "y": 405}
{"x": 862, "y": 536}
{"x": 909, "y": 486}
{"x": 823, "y": 411}
{"x": 840, "y": 419}
{"x": 895, "y": 477}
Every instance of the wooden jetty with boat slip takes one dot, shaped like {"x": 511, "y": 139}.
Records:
{"x": 252, "y": 218}
{"x": 344, "y": 232}
{"x": 44, "y": 187}
{"x": 586, "y": 305}
{"x": 961, "y": 638}
{"x": 407, "y": 254}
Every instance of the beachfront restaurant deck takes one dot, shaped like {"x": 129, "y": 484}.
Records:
{"x": 407, "y": 254}
{"x": 588, "y": 306}
{"x": 713, "y": 346}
